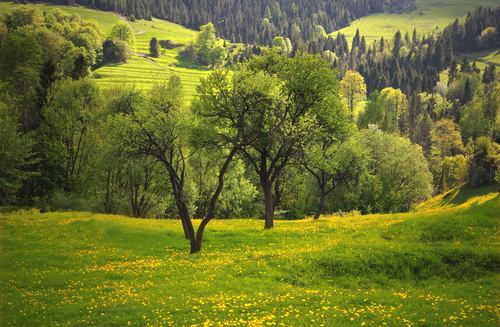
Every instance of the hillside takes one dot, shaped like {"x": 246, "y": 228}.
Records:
{"x": 437, "y": 266}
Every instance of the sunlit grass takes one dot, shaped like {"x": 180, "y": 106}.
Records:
{"x": 436, "y": 16}
{"x": 437, "y": 267}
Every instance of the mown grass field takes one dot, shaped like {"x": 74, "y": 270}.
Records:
{"x": 439, "y": 266}
{"x": 144, "y": 72}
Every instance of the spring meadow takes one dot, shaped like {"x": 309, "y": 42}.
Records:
{"x": 250, "y": 163}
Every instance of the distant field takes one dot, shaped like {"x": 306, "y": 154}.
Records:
{"x": 436, "y": 267}
{"x": 143, "y": 73}
{"x": 140, "y": 71}
{"x": 436, "y": 15}
{"x": 482, "y": 58}
{"x": 105, "y": 19}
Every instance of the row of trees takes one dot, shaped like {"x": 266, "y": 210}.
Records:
{"x": 275, "y": 116}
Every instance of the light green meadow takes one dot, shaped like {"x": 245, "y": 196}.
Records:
{"x": 438, "y": 266}
{"x": 436, "y": 15}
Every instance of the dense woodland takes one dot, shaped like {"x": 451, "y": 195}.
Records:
{"x": 294, "y": 144}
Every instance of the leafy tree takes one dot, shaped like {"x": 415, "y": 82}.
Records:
{"x": 81, "y": 68}
{"x": 334, "y": 160}
{"x": 399, "y": 173}
{"x": 123, "y": 32}
{"x": 15, "y": 156}
{"x": 153, "y": 125}
{"x": 280, "y": 43}
{"x": 23, "y": 16}
{"x": 207, "y": 47}
{"x": 71, "y": 117}
{"x": 446, "y": 136}
{"x": 375, "y": 114}
{"x": 154, "y": 47}
{"x": 272, "y": 104}
{"x": 396, "y": 107}
{"x": 353, "y": 89}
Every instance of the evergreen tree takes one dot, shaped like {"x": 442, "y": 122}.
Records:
{"x": 154, "y": 48}
{"x": 452, "y": 72}
{"x": 397, "y": 44}
{"x": 465, "y": 66}
{"x": 467, "y": 97}
{"x": 439, "y": 58}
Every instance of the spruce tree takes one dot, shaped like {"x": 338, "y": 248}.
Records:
{"x": 467, "y": 97}
{"x": 154, "y": 48}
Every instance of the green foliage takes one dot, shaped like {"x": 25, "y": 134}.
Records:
{"x": 17, "y": 56}
{"x": 22, "y": 16}
{"x": 398, "y": 173}
{"x": 15, "y": 156}
{"x": 207, "y": 47}
{"x": 375, "y": 114}
{"x": 72, "y": 116}
{"x": 154, "y": 47}
{"x": 122, "y": 31}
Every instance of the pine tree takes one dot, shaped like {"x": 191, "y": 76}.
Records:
{"x": 397, "y": 44}
{"x": 467, "y": 97}
{"x": 439, "y": 59}
{"x": 154, "y": 48}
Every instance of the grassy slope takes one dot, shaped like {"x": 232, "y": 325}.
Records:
{"x": 437, "y": 15}
{"x": 438, "y": 266}
{"x": 143, "y": 72}
{"x": 140, "y": 71}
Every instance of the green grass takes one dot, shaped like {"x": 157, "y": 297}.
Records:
{"x": 143, "y": 72}
{"x": 439, "y": 266}
{"x": 437, "y": 15}
{"x": 105, "y": 19}
{"x": 482, "y": 58}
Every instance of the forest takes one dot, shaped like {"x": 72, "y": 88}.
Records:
{"x": 277, "y": 132}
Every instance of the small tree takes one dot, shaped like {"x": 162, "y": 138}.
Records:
{"x": 123, "y": 32}
{"x": 353, "y": 88}
{"x": 154, "y": 48}
{"x": 207, "y": 48}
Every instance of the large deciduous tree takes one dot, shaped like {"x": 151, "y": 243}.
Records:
{"x": 274, "y": 104}
{"x": 399, "y": 173}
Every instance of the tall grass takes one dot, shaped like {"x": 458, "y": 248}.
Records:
{"x": 439, "y": 266}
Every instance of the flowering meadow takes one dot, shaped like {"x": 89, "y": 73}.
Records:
{"x": 438, "y": 266}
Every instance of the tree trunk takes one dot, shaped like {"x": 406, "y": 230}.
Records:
{"x": 321, "y": 206}
{"x": 213, "y": 202}
{"x": 268, "y": 193}
{"x": 269, "y": 206}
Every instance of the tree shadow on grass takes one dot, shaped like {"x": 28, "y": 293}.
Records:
{"x": 463, "y": 194}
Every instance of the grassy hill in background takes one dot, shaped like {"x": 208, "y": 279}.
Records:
{"x": 438, "y": 266}
{"x": 431, "y": 16}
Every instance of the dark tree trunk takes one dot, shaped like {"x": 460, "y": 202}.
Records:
{"x": 269, "y": 206}
{"x": 268, "y": 192}
{"x": 321, "y": 206}
{"x": 213, "y": 202}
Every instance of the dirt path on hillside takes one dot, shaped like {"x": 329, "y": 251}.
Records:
{"x": 126, "y": 21}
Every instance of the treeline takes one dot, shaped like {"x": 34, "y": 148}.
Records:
{"x": 253, "y": 21}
